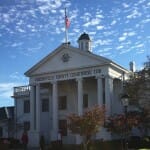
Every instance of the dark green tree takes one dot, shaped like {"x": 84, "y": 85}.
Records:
{"x": 138, "y": 88}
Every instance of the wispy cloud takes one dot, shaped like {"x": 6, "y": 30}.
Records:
{"x": 6, "y": 89}
{"x": 134, "y": 14}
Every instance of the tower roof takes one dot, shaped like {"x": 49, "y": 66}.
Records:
{"x": 84, "y": 36}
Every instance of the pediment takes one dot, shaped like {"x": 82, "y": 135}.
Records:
{"x": 66, "y": 58}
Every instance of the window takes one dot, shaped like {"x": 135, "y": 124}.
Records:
{"x": 62, "y": 102}
{"x": 63, "y": 127}
{"x": 45, "y": 105}
{"x": 26, "y": 125}
{"x": 81, "y": 45}
{"x": 1, "y": 132}
{"x": 86, "y": 45}
{"x": 26, "y": 106}
{"x": 85, "y": 100}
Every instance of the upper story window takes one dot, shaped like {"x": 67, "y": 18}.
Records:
{"x": 62, "y": 105}
{"x": 45, "y": 105}
{"x": 26, "y": 125}
{"x": 85, "y": 100}
{"x": 26, "y": 106}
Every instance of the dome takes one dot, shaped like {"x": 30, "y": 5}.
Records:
{"x": 84, "y": 36}
{"x": 84, "y": 42}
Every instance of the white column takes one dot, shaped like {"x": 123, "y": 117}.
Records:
{"x": 50, "y": 112}
{"x": 32, "y": 102}
{"x": 54, "y": 111}
{"x": 35, "y": 114}
{"x": 38, "y": 107}
{"x": 108, "y": 95}
{"x": 80, "y": 96}
{"x": 99, "y": 91}
{"x": 79, "y": 105}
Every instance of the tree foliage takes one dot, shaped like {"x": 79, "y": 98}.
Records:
{"x": 138, "y": 87}
{"x": 87, "y": 124}
{"x": 119, "y": 124}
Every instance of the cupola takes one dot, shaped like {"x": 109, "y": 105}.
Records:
{"x": 84, "y": 42}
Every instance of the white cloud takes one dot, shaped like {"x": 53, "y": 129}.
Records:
{"x": 17, "y": 76}
{"x": 140, "y": 51}
{"x": 131, "y": 33}
{"x": 17, "y": 44}
{"x": 47, "y": 6}
{"x": 93, "y": 22}
{"x": 6, "y": 18}
{"x": 134, "y": 14}
{"x": 100, "y": 27}
{"x": 122, "y": 38}
{"x": 6, "y": 90}
{"x": 125, "y": 35}
{"x": 139, "y": 45}
{"x": 113, "y": 22}
{"x": 120, "y": 47}
{"x": 103, "y": 42}
{"x": 125, "y": 5}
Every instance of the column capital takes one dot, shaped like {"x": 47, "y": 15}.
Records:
{"x": 100, "y": 76}
{"x": 54, "y": 82}
{"x": 109, "y": 77}
{"x": 79, "y": 79}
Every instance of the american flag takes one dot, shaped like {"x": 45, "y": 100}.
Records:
{"x": 67, "y": 22}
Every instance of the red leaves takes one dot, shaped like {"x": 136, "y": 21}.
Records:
{"x": 89, "y": 123}
{"x": 119, "y": 123}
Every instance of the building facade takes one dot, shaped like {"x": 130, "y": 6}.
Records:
{"x": 7, "y": 122}
{"x": 68, "y": 80}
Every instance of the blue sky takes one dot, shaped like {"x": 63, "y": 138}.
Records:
{"x": 31, "y": 29}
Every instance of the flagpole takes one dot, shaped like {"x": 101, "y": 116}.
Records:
{"x": 66, "y": 31}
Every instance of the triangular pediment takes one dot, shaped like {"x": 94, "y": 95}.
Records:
{"x": 66, "y": 57}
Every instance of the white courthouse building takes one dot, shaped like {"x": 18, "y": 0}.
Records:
{"x": 68, "y": 80}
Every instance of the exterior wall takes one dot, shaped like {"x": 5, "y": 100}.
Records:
{"x": 20, "y": 116}
{"x": 4, "y": 126}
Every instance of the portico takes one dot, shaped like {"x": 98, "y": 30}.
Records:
{"x": 91, "y": 81}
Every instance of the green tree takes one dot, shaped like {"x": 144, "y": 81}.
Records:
{"x": 138, "y": 87}
{"x": 87, "y": 124}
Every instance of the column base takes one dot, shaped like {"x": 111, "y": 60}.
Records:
{"x": 78, "y": 139}
{"x": 103, "y": 134}
{"x": 34, "y": 138}
{"x": 54, "y": 135}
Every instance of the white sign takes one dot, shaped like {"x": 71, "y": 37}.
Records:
{"x": 70, "y": 75}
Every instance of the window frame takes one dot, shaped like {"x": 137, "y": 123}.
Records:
{"x": 45, "y": 105}
{"x": 62, "y": 102}
{"x": 62, "y": 125}
{"x": 26, "y": 125}
{"x": 85, "y": 100}
{"x": 26, "y": 106}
